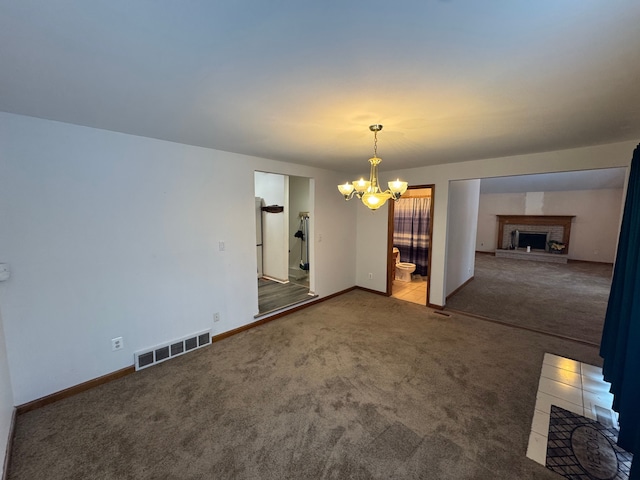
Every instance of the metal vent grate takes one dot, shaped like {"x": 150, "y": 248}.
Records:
{"x": 145, "y": 359}
{"x": 177, "y": 348}
{"x": 151, "y": 356}
{"x": 162, "y": 354}
{"x": 191, "y": 343}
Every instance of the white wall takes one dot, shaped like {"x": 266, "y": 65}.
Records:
{"x": 274, "y": 189}
{"x": 461, "y": 232}
{"x": 6, "y": 398}
{"x": 594, "y": 231}
{"x": 587, "y": 158}
{"x": 371, "y": 233}
{"x": 111, "y": 235}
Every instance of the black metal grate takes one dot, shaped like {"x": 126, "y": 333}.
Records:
{"x": 164, "y": 352}
{"x": 537, "y": 241}
{"x": 145, "y": 359}
{"x": 191, "y": 343}
{"x": 177, "y": 348}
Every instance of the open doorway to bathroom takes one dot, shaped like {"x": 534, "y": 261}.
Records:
{"x": 283, "y": 224}
{"x": 409, "y": 245}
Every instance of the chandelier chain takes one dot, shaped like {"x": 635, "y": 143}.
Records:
{"x": 375, "y": 143}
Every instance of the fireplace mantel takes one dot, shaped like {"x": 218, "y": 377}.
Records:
{"x": 542, "y": 220}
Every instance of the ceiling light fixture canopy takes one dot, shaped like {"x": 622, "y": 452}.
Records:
{"x": 369, "y": 191}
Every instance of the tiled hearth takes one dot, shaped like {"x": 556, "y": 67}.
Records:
{"x": 534, "y": 256}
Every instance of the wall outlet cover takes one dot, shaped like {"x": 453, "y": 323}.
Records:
{"x": 117, "y": 343}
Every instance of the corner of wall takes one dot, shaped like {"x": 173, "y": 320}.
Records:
{"x": 7, "y": 410}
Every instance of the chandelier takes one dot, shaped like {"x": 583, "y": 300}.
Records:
{"x": 369, "y": 191}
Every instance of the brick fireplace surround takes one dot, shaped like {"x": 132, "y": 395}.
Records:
{"x": 558, "y": 226}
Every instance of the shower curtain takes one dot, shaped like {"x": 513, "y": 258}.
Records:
{"x": 411, "y": 219}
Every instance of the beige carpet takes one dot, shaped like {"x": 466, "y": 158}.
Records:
{"x": 563, "y": 299}
{"x": 360, "y": 386}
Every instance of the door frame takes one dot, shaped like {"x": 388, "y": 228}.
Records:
{"x": 391, "y": 211}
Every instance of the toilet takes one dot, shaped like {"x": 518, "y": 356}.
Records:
{"x": 403, "y": 269}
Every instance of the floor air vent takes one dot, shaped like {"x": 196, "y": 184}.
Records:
{"x": 160, "y": 353}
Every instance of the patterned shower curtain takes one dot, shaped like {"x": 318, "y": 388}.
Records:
{"x": 411, "y": 220}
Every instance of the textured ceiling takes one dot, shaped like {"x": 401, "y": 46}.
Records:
{"x": 301, "y": 81}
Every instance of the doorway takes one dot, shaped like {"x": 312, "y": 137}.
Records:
{"x": 567, "y": 299}
{"x": 410, "y": 228}
{"x": 283, "y": 225}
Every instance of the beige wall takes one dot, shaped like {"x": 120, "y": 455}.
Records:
{"x": 594, "y": 231}
{"x": 492, "y": 204}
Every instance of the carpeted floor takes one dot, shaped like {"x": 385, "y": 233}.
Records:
{"x": 360, "y": 386}
{"x": 564, "y": 299}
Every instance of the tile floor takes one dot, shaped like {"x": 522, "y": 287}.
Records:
{"x": 415, "y": 292}
{"x": 574, "y": 386}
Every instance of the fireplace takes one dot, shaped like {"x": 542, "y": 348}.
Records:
{"x": 535, "y": 231}
{"x": 534, "y": 240}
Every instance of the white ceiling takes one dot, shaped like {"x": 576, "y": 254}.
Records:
{"x": 301, "y": 81}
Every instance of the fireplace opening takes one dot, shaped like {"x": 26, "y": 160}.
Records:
{"x": 535, "y": 240}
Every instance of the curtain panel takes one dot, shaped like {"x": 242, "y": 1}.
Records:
{"x": 620, "y": 346}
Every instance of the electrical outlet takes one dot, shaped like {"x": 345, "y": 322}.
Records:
{"x": 221, "y": 246}
{"x": 216, "y": 317}
{"x": 117, "y": 343}
{"x": 370, "y": 276}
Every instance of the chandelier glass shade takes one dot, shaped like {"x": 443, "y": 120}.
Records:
{"x": 369, "y": 191}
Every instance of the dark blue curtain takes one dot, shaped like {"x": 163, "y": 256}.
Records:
{"x": 411, "y": 219}
{"x": 620, "y": 346}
